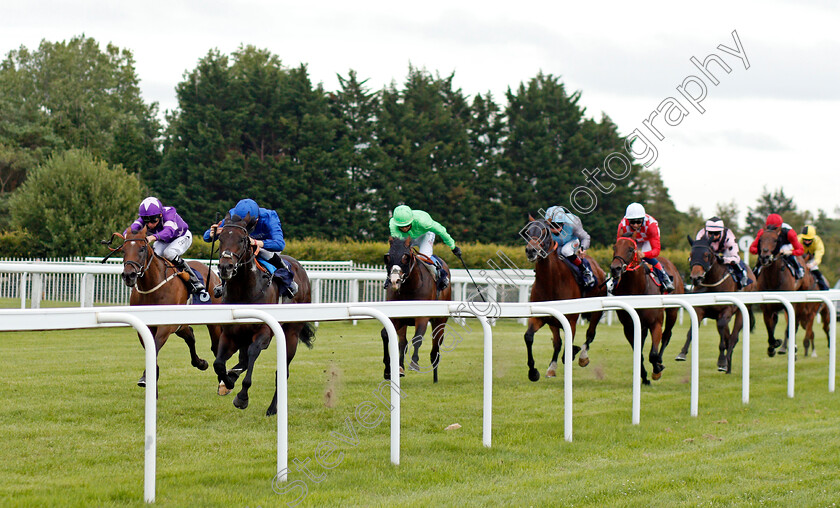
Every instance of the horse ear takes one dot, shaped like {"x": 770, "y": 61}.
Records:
{"x": 531, "y": 218}
{"x": 250, "y": 222}
{"x": 227, "y": 217}
{"x": 690, "y": 241}
{"x": 387, "y": 259}
{"x": 408, "y": 241}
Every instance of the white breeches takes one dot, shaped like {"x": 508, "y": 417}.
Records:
{"x": 176, "y": 247}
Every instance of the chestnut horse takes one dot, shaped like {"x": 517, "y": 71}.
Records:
{"x": 554, "y": 279}
{"x": 774, "y": 275}
{"x": 710, "y": 275}
{"x": 411, "y": 280}
{"x": 633, "y": 277}
{"x": 155, "y": 281}
{"x": 247, "y": 282}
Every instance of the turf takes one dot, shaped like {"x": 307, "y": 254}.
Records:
{"x": 72, "y": 427}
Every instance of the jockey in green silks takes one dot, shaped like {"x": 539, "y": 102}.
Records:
{"x": 422, "y": 229}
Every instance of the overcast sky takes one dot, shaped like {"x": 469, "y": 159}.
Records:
{"x": 773, "y": 124}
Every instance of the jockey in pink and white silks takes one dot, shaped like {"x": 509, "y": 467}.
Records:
{"x": 572, "y": 240}
{"x": 169, "y": 234}
{"x": 723, "y": 243}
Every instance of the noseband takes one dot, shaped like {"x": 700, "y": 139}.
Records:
{"x": 625, "y": 264}
{"x": 405, "y": 273}
{"x": 141, "y": 269}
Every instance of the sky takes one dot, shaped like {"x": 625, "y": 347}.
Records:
{"x": 771, "y": 124}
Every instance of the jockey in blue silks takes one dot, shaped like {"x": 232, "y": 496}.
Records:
{"x": 572, "y": 240}
{"x": 268, "y": 236}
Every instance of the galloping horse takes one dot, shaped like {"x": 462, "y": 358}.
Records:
{"x": 410, "y": 280}
{"x": 633, "y": 278}
{"x": 774, "y": 275}
{"x": 247, "y": 282}
{"x": 555, "y": 280}
{"x": 155, "y": 281}
{"x": 710, "y": 275}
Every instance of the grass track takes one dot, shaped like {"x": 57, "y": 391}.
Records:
{"x": 72, "y": 426}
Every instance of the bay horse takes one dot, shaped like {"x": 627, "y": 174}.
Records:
{"x": 634, "y": 277}
{"x": 555, "y": 279}
{"x": 710, "y": 275}
{"x": 247, "y": 282}
{"x": 155, "y": 281}
{"x": 411, "y": 280}
{"x": 774, "y": 275}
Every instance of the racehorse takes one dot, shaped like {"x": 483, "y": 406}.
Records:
{"x": 633, "y": 277}
{"x": 155, "y": 281}
{"x": 555, "y": 280}
{"x": 410, "y": 280}
{"x": 710, "y": 275}
{"x": 247, "y": 282}
{"x": 774, "y": 275}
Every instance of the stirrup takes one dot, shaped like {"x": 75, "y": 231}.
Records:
{"x": 291, "y": 290}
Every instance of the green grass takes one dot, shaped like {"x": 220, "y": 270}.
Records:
{"x": 72, "y": 427}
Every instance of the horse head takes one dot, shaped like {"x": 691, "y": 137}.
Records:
{"x": 235, "y": 247}
{"x": 137, "y": 256}
{"x": 625, "y": 254}
{"x": 701, "y": 259}
{"x": 538, "y": 236}
{"x": 769, "y": 245}
{"x": 399, "y": 261}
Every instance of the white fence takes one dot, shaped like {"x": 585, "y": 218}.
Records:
{"x": 142, "y": 317}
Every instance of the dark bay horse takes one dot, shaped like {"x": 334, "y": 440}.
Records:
{"x": 411, "y": 280}
{"x": 155, "y": 281}
{"x": 247, "y": 282}
{"x": 710, "y": 275}
{"x": 633, "y": 277}
{"x": 774, "y": 275}
{"x": 555, "y": 280}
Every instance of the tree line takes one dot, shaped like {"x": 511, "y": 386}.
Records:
{"x": 333, "y": 164}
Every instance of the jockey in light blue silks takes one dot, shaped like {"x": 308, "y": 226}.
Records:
{"x": 268, "y": 236}
{"x": 572, "y": 240}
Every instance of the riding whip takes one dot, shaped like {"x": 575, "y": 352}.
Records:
{"x": 471, "y": 278}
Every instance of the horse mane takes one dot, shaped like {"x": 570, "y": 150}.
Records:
{"x": 627, "y": 235}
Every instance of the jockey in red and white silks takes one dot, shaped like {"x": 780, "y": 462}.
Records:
{"x": 645, "y": 231}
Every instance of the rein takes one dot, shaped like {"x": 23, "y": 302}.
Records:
{"x": 411, "y": 266}
{"x": 142, "y": 269}
{"x": 239, "y": 262}
{"x": 706, "y": 270}
{"x": 633, "y": 264}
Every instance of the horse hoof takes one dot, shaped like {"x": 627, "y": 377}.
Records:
{"x": 142, "y": 381}
{"x": 201, "y": 365}
{"x": 402, "y": 372}
{"x": 387, "y": 375}
{"x": 583, "y": 362}
{"x": 721, "y": 368}
{"x": 771, "y": 351}
{"x": 271, "y": 411}
{"x": 240, "y": 402}
{"x": 655, "y": 376}
{"x": 777, "y": 343}
{"x": 782, "y": 351}
{"x": 223, "y": 390}
{"x": 680, "y": 357}
{"x": 414, "y": 366}
{"x": 645, "y": 382}
{"x": 534, "y": 375}
{"x": 551, "y": 373}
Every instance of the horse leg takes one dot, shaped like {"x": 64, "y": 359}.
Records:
{"x": 594, "y": 318}
{"x": 260, "y": 342}
{"x": 438, "y": 334}
{"x": 681, "y": 356}
{"x": 723, "y": 346}
{"x": 656, "y": 345}
{"x": 420, "y": 325}
{"x": 826, "y": 322}
{"x": 645, "y": 380}
{"x": 534, "y": 324}
{"x": 225, "y": 351}
{"x": 770, "y": 319}
{"x": 733, "y": 339}
{"x": 808, "y": 325}
{"x": 186, "y": 333}
{"x": 292, "y": 333}
{"x": 784, "y": 348}
{"x": 160, "y": 334}
{"x": 627, "y": 323}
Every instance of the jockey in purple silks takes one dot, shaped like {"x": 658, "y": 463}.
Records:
{"x": 169, "y": 233}
{"x": 723, "y": 243}
{"x": 268, "y": 236}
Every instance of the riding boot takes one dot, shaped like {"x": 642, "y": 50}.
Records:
{"x": 195, "y": 282}
{"x": 820, "y": 280}
{"x": 667, "y": 283}
{"x": 290, "y": 287}
{"x": 610, "y": 286}
{"x": 589, "y": 279}
{"x": 798, "y": 271}
{"x": 442, "y": 276}
{"x": 739, "y": 273}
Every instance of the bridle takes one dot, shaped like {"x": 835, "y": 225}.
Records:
{"x": 141, "y": 269}
{"x": 706, "y": 269}
{"x": 405, "y": 273}
{"x": 543, "y": 245}
{"x": 632, "y": 264}
{"x": 252, "y": 252}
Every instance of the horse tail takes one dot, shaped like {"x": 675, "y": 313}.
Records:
{"x": 307, "y": 334}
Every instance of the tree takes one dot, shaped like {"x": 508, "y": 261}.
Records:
{"x": 775, "y": 202}
{"x": 72, "y": 201}
{"x": 729, "y": 213}
{"x": 75, "y": 95}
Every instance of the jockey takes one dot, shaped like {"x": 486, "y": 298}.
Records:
{"x": 790, "y": 246}
{"x": 422, "y": 229}
{"x": 645, "y": 231}
{"x": 814, "y": 251}
{"x": 268, "y": 236}
{"x": 567, "y": 230}
{"x": 170, "y": 234}
{"x": 723, "y": 243}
